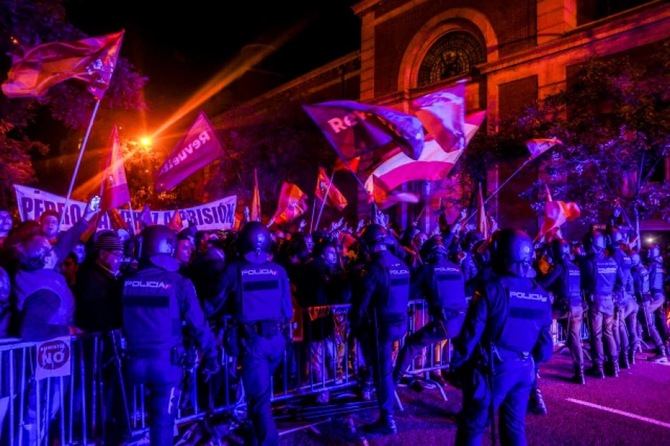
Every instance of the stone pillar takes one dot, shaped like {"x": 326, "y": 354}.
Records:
{"x": 368, "y": 55}
{"x": 554, "y": 18}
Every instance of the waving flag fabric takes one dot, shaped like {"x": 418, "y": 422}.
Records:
{"x": 355, "y": 129}
{"x": 334, "y": 198}
{"x": 91, "y": 60}
{"x": 196, "y": 150}
{"x": 433, "y": 164}
{"x": 442, "y": 113}
{"x": 538, "y": 146}
{"x": 115, "y": 191}
{"x": 292, "y": 204}
{"x": 556, "y": 213}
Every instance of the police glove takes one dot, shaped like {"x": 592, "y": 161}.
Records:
{"x": 210, "y": 367}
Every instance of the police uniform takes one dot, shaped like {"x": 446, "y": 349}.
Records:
{"x": 506, "y": 332}
{"x": 442, "y": 284}
{"x": 261, "y": 298}
{"x": 657, "y": 285}
{"x": 600, "y": 273}
{"x": 564, "y": 281}
{"x": 379, "y": 316}
{"x": 625, "y": 322}
{"x": 158, "y": 303}
{"x": 650, "y": 301}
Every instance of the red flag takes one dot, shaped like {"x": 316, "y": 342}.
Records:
{"x": 116, "y": 220}
{"x": 538, "y": 146}
{"x": 482, "y": 220}
{"x": 350, "y": 165}
{"x": 555, "y": 214}
{"x": 91, "y": 60}
{"x": 114, "y": 184}
{"x": 379, "y": 194}
{"x": 292, "y": 203}
{"x": 335, "y": 197}
{"x": 176, "y": 223}
{"x": 442, "y": 113}
{"x": 433, "y": 164}
{"x": 256, "y": 201}
{"x": 197, "y": 149}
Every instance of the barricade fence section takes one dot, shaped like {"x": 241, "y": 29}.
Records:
{"x": 74, "y": 390}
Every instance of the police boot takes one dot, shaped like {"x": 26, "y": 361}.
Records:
{"x": 579, "y": 377}
{"x": 599, "y": 371}
{"x": 536, "y": 403}
{"x": 631, "y": 356}
{"x": 615, "y": 368}
{"x": 385, "y": 425}
{"x": 624, "y": 361}
{"x": 660, "y": 354}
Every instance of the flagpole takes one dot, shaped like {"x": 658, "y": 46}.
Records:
{"x": 132, "y": 217}
{"x": 82, "y": 148}
{"x": 495, "y": 192}
{"x": 325, "y": 198}
{"x": 311, "y": 220}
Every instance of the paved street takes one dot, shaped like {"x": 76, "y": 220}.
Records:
{"x": 631, "y": 410}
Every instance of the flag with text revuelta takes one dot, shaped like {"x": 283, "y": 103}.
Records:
{"x": 196, "y": 150}
{"x": 355, "y": 129}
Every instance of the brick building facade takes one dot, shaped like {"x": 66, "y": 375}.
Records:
{"x": 510, "y": 52}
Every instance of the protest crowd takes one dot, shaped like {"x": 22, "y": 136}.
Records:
{"x": 120, "y": 324}
{"x": 170, "y": 294}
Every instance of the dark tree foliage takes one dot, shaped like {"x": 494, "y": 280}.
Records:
{"x": 24, "y": 135}
{"x": 614, "y": 120}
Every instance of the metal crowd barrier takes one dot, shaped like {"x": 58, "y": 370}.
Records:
{"x": 93, "y": 400}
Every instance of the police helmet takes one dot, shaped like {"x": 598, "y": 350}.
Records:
{"x": 374, "y": 235}
{"x": 595, "y": 241}
{"x": 471, "y": 239}
{"x": 158, "y": 240}
{"x": 635, "y": 259}
{"x": 654, "y": 252}
{"x": 433, "y": 248}
{"x": 512, "y": 253}
{"x": 255, "y": 238}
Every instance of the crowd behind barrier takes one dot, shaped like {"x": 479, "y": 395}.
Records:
{"x": 94, "y": 402}
{"x": 76, "y": 389}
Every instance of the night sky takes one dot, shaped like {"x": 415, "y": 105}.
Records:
{"x": 181, "y": 46}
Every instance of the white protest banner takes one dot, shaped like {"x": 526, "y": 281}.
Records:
{"x": 54, "y": 358}
{"x": 219, "y": 214}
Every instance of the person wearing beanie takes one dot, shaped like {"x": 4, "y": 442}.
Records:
{"x": 99, "y": 286}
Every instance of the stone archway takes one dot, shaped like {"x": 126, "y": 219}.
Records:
{"x": 452, "y": 20}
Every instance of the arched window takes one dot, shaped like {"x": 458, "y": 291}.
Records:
{"x": 453, "y": 54}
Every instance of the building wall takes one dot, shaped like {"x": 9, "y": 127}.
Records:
{"x": 528, "y": 46}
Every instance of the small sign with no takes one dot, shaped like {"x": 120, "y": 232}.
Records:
{"x": 54, "y": 358}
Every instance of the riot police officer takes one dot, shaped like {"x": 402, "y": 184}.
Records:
{"x": 564, "y": 281}
{"x": 656, "y": 298}
{"x": 379, "y": 316}
{"x": 600, "y": 272}
{"x": 157, "y": 303}
{"x": 625, "y": 321}
{"x": 506, "y": 331}
{"x": 441, "y": 283}
{"x": 260, "y": 294}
